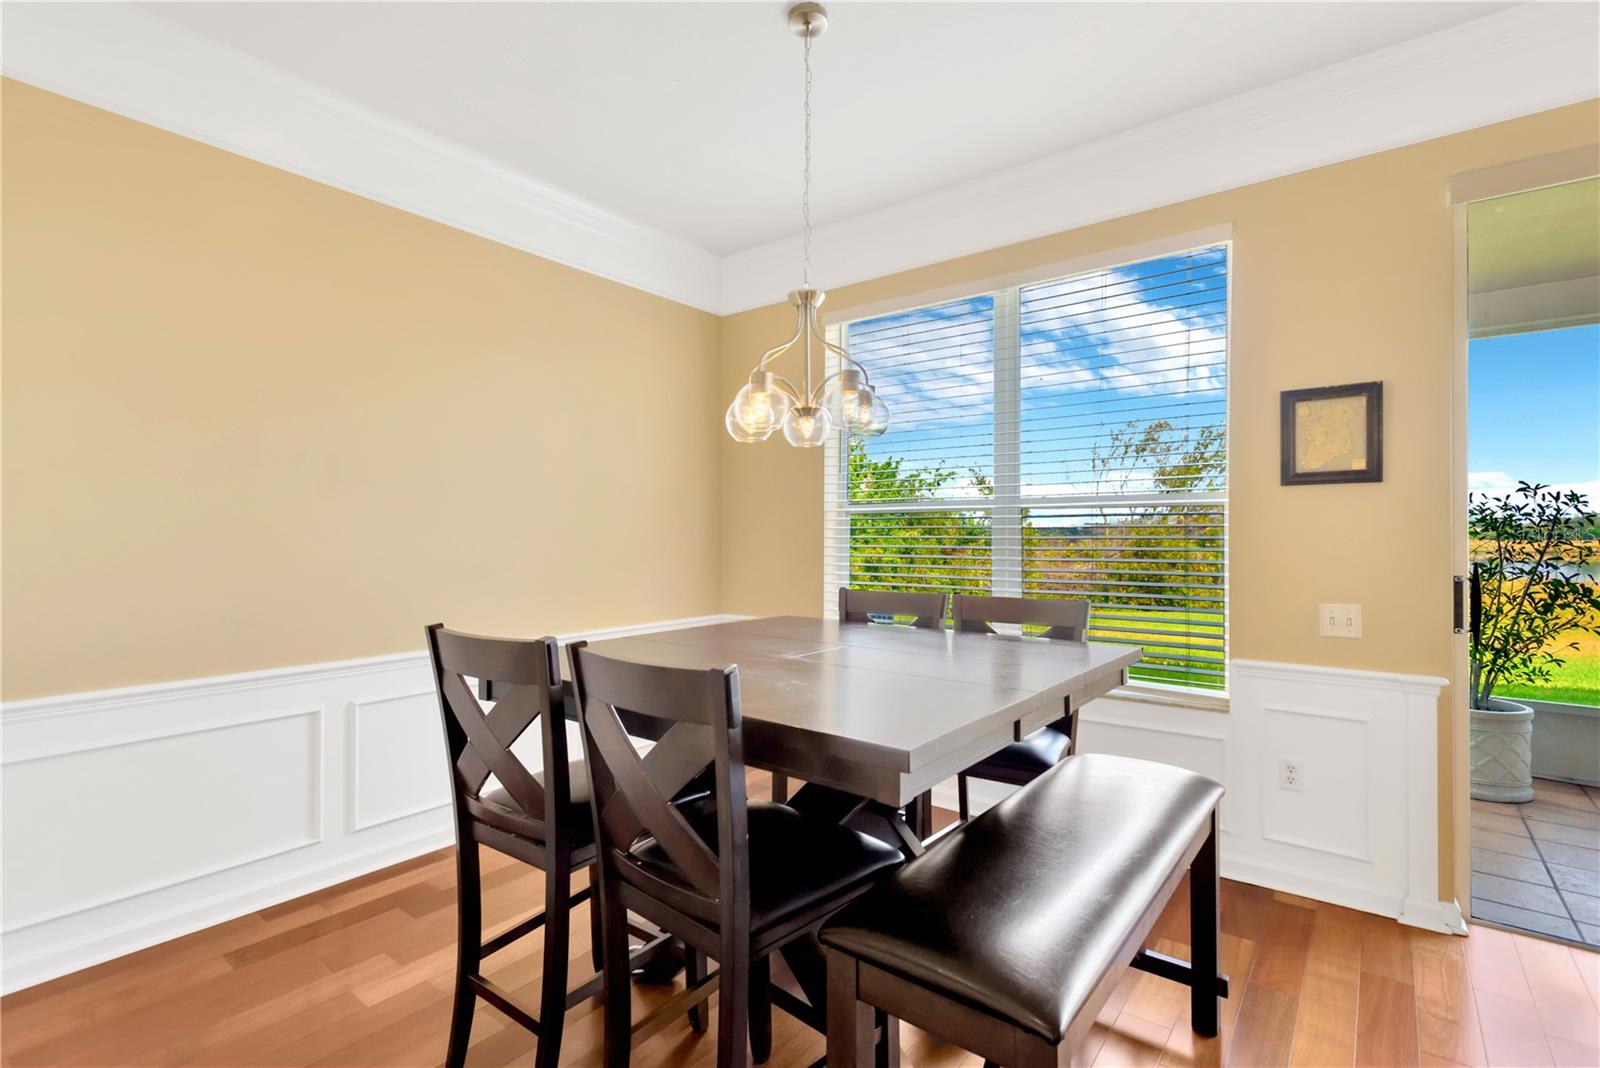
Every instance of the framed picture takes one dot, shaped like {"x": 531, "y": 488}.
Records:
{"x": 1333, "y": 434}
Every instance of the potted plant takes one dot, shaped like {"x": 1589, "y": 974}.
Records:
{"x": 1528, "y": 591}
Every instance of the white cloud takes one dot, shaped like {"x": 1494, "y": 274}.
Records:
{"x": 1499, "y": 483}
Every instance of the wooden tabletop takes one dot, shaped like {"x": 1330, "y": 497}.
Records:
{"x": 884, "y": 712}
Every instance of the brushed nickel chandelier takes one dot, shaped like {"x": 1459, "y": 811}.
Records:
{"x": 843, "y": 400}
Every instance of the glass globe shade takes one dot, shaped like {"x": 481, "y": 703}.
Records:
{"x": 758, "y": 408}
{"x": 878, "y": 421}
{"x": 849, "y": 400}
{"x": 737, "y": 430}
{"x": 807, "y": 426}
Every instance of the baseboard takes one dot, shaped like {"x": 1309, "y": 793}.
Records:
{"x": 1445, "y": 917}
{"x": 308, "y": 776}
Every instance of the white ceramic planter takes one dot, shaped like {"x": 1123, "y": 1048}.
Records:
{"x": 1502, "y": 752}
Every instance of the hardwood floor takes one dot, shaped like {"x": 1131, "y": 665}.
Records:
{"x": 360, "y": 974}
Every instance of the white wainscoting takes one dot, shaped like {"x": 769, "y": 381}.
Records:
{"x": 1361, "y": 831}
{"x": 137, "y": 815}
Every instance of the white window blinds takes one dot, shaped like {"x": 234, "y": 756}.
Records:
{"x": 1060, "y": 439}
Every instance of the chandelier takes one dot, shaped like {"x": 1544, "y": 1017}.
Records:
{"x": 843, "y": 400}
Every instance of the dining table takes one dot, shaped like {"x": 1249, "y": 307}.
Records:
{"x": 872, "y": 716}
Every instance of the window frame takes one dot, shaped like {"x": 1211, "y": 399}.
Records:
{"x": 1005, "y": 507}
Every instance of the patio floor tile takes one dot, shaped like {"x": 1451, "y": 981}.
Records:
{"x": 1528, "y": 870}
{"x": 1523, "y": 919}
{"x": 1562, "y": 814}
{"x": 1570, "y": 855}
{"x": 1515, "y": 892}
{"x": 1584, "y": 909}
{"x": 1578, "y": 880}
{"x": 1489, "y": 821}
{"x": 1518, "y": 845}
{"x": 1560, "y": 832}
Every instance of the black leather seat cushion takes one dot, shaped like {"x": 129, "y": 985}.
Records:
{"x": 1031, "y": 757}
{"x": 1022, "y": 911}
{"x": 497, "y": 808}
{"x": 795, "y": 862}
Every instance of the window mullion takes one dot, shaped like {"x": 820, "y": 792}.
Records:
{"x": 1005, "y": 527}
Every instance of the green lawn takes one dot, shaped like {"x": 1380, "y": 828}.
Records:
{"x": 1577, "y": 682}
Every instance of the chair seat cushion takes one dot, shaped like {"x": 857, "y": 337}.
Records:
{"x": 497, "y": 808}
{"x": 795, "y": 862}
{"x": 1029, "y": 758}
{"x": 1022, "y": 911}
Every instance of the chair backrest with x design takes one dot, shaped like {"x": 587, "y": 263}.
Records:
{"x": 859, "y": 606}
{"x": 1063, "y": 620}
{"x": 632, "y": 792}
{"x": 526, "y": 679}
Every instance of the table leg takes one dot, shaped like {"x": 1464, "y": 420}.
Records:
{"x": 804, "y": 955}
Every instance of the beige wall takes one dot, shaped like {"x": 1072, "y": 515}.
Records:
{"x": 253, "y": 421}
{"x": 1341, "y": 274}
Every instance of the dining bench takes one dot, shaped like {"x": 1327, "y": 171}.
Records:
{"x": 1008, "y": 935}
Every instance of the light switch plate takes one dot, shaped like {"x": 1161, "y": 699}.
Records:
{"x": 1339, "y": 620}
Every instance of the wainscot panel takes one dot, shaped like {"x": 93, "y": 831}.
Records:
{"x": 206, "y": 799}
{"x": 1355, "y": 824}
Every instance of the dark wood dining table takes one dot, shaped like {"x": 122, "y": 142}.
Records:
{"x": 873, "y": 716}
{"x": 884, "y": 712}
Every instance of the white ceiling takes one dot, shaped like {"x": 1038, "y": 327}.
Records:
{"x": 686, "y": 116}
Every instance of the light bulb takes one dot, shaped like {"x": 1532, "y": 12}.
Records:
{"x": 849, "y": 400}
{"x": 737, "y": 430}
{"x": 807, "y": 426}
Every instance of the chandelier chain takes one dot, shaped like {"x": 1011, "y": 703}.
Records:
{"x": 805, "y": 194}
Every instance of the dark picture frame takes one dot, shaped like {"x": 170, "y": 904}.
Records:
{"x": 1364, "y": 448}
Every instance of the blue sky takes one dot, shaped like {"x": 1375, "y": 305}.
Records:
{"x": 1130, "y": 344}
{"x": 1534, "y": 409}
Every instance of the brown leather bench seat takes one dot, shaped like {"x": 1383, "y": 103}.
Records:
{"x": 1009, "y": 934}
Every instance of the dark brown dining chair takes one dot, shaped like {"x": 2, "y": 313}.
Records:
{"x": 1026, "y": 759}
{"x": 736, "y": 881}
{"x": 539, "y": 817}
{"x": 860, "y": 606}
{"x": 923, "y": 610}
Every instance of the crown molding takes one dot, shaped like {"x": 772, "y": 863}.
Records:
{"x": 130, "y": 61}
{"x": 1516, "y": 62}
{"x": 127, "y": 60}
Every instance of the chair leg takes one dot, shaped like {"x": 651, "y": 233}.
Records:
{"x": 694, "y": 970}
{"x": 849, "y": 1019}
{"x": 618, "y": 979}
{"x": 597, "y": 941}
{"x": 469, "y": 948}
{"x": 887, "y": 1055}
{"x": 553, "y": 988}
{"x": 780, "y": 787}
{"x": 761, "y": 1010}
{"x": 963, "y": 809}
{"x": 733, "y": 1002}
{"x": 1205, "y": 937}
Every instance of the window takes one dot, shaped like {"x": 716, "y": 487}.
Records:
{"x": 1063, "y": 438}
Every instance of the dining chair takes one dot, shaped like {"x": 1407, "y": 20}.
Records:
{"x": 1025, "y": 759}
{"x": 860, "y": 606}
{"x": 540, "y": 817}
{"x": 926, "y": 611}
{"x": 736, "y": 881}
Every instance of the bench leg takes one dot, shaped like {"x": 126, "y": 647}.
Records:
{"x": 1205, "y": 937}
{"x": 850, "y": 1022}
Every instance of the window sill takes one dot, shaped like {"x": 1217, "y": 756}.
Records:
{"x": 1174, "y": 696}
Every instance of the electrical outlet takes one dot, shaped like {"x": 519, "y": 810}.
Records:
{"x": 1289, "y": 774}
{"x": 1339, "y": 620}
